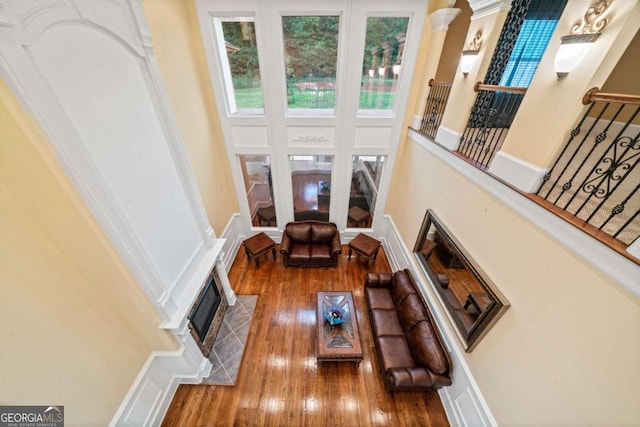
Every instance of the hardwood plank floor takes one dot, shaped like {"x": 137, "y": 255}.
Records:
{"x": 279, "y": 382}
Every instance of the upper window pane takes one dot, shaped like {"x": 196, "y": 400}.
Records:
{"x": 241, "y": 69}
{"x": 311, "y": 56}
{"x": 527, "y": 52}
{"x": 382, "y": 65}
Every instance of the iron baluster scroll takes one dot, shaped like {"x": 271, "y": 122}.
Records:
{"x": 489, "y": 122}
{"x": 596, "y": 178}
{"x": 434, "y": 107}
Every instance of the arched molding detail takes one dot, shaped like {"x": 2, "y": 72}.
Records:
{"x": 441, "y": 18}
{"x": 123, "y": 22}
{"x": 482, "y": 8}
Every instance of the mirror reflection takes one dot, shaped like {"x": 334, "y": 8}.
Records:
{"x": 311, "y": 185}
{"x": 256, "y": 173}
{"x": 365, "y": 181}
{"x": 472, "y": 302}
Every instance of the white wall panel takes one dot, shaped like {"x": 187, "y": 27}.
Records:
{"x": 103, "y": 92}
{"x": 249, "y": 136}
{"x": 373, "y": 136}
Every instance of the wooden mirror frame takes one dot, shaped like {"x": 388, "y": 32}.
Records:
{"x": 469, "y": 334}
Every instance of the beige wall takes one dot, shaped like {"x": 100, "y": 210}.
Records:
{"x": 454, "y": 43}
{"x": 560, "y": 113}
{"x": 566, "y": 352}
{"x": 462, "y": 95}
{"x": 180, "y": 52}
{"x": 624, "y": 77}
{"x": 75, "y": 326}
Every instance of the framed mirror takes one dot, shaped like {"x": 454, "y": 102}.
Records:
{"x": 472, "y": 301}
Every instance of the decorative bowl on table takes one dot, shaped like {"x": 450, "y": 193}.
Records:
{"x": 334, "y": 315}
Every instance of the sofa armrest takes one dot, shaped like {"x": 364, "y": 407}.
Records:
{"x": 336, "y": 247}
{"x": 415, "y": 378}
{"x": 285, "y": 244}
{"x": 378, "y": 280}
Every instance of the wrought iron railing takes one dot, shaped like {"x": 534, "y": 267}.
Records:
{"x": 489, "y": 122}
{"x": 596, "y": 178}
{"x": 434, "y": 108}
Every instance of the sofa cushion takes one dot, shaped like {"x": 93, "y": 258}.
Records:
{"x": 411, "y": 311}
{"x": 300, "y": 233}
{"x": 385, "y": 322}
{"x": 426, "y": 348}
{"x": 299, "y": 251}
{"x": 322, "y": 233}
{"x": 402, "y": 286}
{"x": 410, "y": 378}
{"x": 394, "y": 352}
{"x": 320, "y": 251}
{"x": 379, "y": 298}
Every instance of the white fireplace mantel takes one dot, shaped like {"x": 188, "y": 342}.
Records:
{"x": 211, "y": 259}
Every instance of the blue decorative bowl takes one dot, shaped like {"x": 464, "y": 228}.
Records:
{"x": 334, "y": 315}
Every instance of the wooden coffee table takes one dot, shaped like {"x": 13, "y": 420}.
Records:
{"x": 339, "y": 343}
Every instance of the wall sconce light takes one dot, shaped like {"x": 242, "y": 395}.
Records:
{"x": 574, "y": 47}
{"x": 396, "y": 69}
{"x": 470, "y": 54}
{"x": 381, "y": 71}
{"x": 371, "y": 72}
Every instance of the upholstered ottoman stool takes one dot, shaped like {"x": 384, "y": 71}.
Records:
{"x": 365, "y": 246}
{"x": 258, "y": 245}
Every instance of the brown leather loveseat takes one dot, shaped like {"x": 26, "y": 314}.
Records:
{"x": 310, "y": 244}
{"x": 411, "y": 353}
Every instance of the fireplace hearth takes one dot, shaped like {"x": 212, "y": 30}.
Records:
{"x": 207, "y": 313}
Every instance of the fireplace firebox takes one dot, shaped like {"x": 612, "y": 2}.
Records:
{"x": 207, "y": 313}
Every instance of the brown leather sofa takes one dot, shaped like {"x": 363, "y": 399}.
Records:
{"x": 411, "y": 352}
{"x": 310, "y": 244}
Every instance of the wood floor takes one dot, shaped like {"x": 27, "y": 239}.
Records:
{"x": 279, "y": 382}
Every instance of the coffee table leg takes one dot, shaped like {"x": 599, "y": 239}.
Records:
{"x": 349, "y": 254}
{"x": 273, "y": 252}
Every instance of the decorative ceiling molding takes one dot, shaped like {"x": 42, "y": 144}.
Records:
{"x": 482, "y": 8}
{"x": 441, "y": 18}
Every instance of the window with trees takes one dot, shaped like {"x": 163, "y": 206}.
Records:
{"x": 240, "y": 65}
{"x": 382, "y": 65}
{"x": 311, "y": 58}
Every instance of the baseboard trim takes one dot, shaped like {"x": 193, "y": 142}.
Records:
{"x": 522, "y": 175}
{"x": 448, "y": 138}
{"x": 150, "y": 395}
{"x": 463, "y": 401}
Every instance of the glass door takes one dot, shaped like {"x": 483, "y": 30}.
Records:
{"x": 258, "y": 185}
{"x": 311, "y": 185}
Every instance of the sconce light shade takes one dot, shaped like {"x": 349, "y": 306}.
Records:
{"x": 381, "y": 71}
{"x": 470, "y": 54}
{"x": 574, "y": 47}
{"x": 396, "y": 69}
{"x": 572, "y": 51}
{"x": 371, "y": 72}
{"x": 467, "y": 61}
